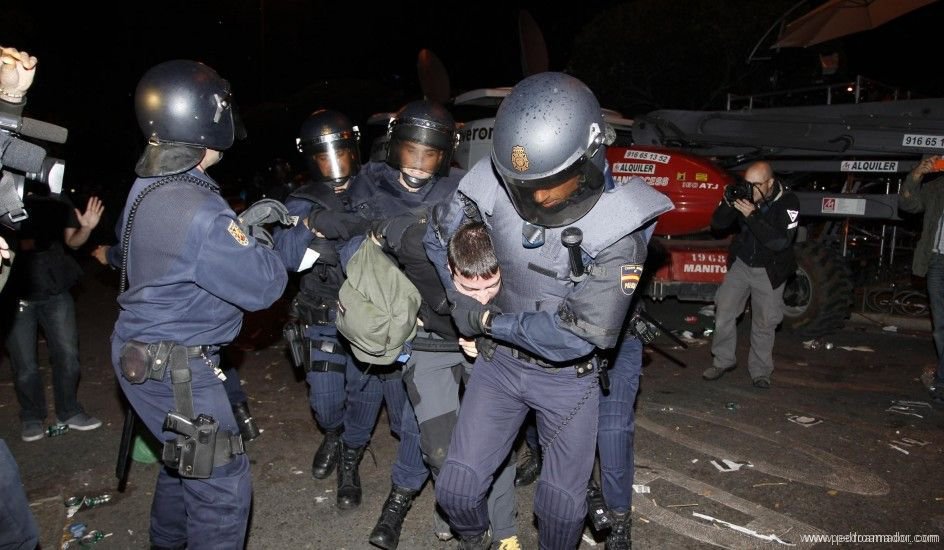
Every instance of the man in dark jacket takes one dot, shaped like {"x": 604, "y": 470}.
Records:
{"x": 928, "y": 197}
{"x": 760, "y": 261}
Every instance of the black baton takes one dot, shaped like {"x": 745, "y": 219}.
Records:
{"x": 124, "y": 448}
{"x": 571, "y": 239}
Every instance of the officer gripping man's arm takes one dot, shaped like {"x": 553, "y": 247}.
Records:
{"x": 563, "y": 334}
{"x": 546, "y": 173}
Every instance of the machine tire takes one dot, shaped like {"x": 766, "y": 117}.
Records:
{"x": 819, "y": 299}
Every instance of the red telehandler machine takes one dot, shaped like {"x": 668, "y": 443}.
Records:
{"x": 692, "y": 155}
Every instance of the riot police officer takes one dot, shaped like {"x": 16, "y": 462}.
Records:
{"x": 192, "y": 267}
{"x": 329, "y": 142}
{"x": 547, "y": 173}
{"x": 395, "y": 197}
{"x": 422, "y": 138}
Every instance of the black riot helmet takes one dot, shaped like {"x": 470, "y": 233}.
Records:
{"x": 330, "y": 144}
{"x": 548, "y": 147}
{"x": 183, "y": 108}
{"x": 422, "y": 139}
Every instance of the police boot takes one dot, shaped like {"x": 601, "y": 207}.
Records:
{"x": 478, "y": 542}
{"x": 326, "y": 457}
{"x": 386, "y": 533}
{"x": 596, "y": 508}
{"x": 245, "y": 421}
{"x": 526, "y": 473}
{"x": 349, "y": 478}
{"x": 620, "y": 537}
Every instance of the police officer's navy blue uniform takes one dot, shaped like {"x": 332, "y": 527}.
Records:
{"x": 547, "y": 325}
{"x": 377, "y": 196}
{"x": 329, "y": 143}
{"x": 328, "y": 361}
{"x": 192, "y": 270}
{"x": 617, "y": 432}
{"x": 416, "y": 178}
{"x": 536, "y": 291}
{"x": 432, "y": 375}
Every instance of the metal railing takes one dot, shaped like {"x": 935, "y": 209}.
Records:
{"x": 860, "y": 90}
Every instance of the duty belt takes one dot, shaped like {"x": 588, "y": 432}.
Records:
{"x": 583, "y": 367}
{"x": 192, "y": 351}
{"x": 200, "y": 351}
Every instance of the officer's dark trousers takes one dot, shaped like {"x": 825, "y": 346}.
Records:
{"x": 493, "y": 408}
{"x": 618, "y": 426}
{"x": 17, "y": 527}
{"x": 368, "y": 387}
{"x": 326, "y": 389}
{"x": 198, "y": 513}
{"x": 432, "y": 382}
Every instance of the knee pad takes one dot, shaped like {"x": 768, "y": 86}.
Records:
{"x": 560, "y": 516}
{"x": 554, "y": 504}
{"x": 459, "y": 491}
{"x": 435, "y": 435}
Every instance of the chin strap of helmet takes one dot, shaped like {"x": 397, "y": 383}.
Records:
{"x": 414, "y": 182}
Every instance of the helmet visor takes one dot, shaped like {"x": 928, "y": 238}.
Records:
{"x": 559, "y": 199}
{"x": 332, "y": 161}
{"x": 415, "y": 159}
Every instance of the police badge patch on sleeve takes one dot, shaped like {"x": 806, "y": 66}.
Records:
{"x": 237, "y": 233}
{"x": 629, "y": 277}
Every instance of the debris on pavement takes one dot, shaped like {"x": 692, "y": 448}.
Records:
{"x": 909, "y": 408}
{"x": 729, "y": 465}
{"x": 85, "y": 541}
{"x": 858, "y": 348}
{"x": 899, "y": 449}
{"x": 909, "y": 403}
{"x": 707, "y": 311}
{"x": 74, "y": 503}
{"x": 805, "y": 421}
{"x": 639, "y": 488}
{"x": 745, "y": 530}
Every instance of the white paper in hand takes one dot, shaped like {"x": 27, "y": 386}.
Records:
{"x": 308, "y": 260}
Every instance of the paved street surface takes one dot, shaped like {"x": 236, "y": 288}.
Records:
{"x": 846, "y": 465}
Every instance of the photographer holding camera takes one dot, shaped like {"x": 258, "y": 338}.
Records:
{"x": 17, "y": 526}
{"x": 16, "y": 75}
{"x": 41, "y": 279}
{"x": 760, "y": 260}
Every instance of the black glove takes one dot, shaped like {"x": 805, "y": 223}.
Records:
{"x": 391, "y": 230}
{"x": 327, "y": 251}
{"x": 336, "y": 225}
{"x": 262, "y": 236}
{"x": 265, "y": 211}
{"x": 468, "y": 314}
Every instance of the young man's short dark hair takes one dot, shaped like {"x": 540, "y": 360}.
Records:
{"x": 471, "y": 253}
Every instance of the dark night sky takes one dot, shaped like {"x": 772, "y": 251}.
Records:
{"x": 286, "y": 58}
